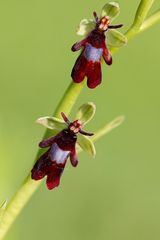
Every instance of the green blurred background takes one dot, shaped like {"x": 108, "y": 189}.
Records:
{"x": 117, "y": 195}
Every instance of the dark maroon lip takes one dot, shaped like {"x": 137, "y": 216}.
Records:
{"x": 60, "y": 147}
{"x": 93, "y": 49}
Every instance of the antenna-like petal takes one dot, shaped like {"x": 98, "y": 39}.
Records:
{"x": 65, "y": 118}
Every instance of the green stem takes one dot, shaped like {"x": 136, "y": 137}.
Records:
{"x": 152, "y": 20}
{"x": 139, "y": 26}
{"x": 16, "y": 204}
{"x": 65, "y": 105}
{"x": 29, "y": 186}
{"x": 67, "y": 101}
{"x": 27, "y": 189}
{"x": 140, "y": 17}
{"x": 69, "y": 98}
{"x": 141, "y": 13}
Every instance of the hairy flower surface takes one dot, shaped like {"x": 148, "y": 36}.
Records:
{"x": 94, "y": 47}
{"x": 62, "y": 146}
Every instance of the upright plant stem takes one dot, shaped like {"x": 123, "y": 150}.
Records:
{"x": 140, "y": 17}
{"x": 141, "y": 13}
{"x": 29, "y": 186}
{"x": 67, "y": 101}
{"x": 153, "y": 19}
{"x": 69, "y": 98}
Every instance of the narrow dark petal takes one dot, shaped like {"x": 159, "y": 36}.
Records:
{"x": 86, "y": 133}
{"x": 107, "y": 56}
{"x": 47, "y": 142}
{"x": 96, "y": 17}
{"x": 65, "y": 118}
{"x": 115, "y": 26}
{"x": 78, "y": 45}
{"x": 73, "y": 158}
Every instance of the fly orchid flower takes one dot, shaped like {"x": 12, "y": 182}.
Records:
{"x": 94, "y": 47}
{"x": 63, "y": 145}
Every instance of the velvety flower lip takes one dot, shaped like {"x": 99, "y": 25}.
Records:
{"x": 52, "y": 162}
{"x": 94, "y": 47}
{"x": 61, "y": 147}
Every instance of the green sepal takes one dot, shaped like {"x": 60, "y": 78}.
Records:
{"x": 116, "y": 38}
{"x": 86, "y": 144}
{"x": 111, "y": 10}
{"x": 86, "y": 112}
{"x": 85, "y": 27}
{"x": 108, "y": 127}
{"x": 52, "y": 123}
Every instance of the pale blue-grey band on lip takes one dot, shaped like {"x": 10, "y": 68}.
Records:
{"x": 58, "y": 155}
{"x": 92, "y": 54}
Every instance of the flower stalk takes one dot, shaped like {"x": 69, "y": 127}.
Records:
{"x": 141, "y": 14}
{"x": 152, "y": 20}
